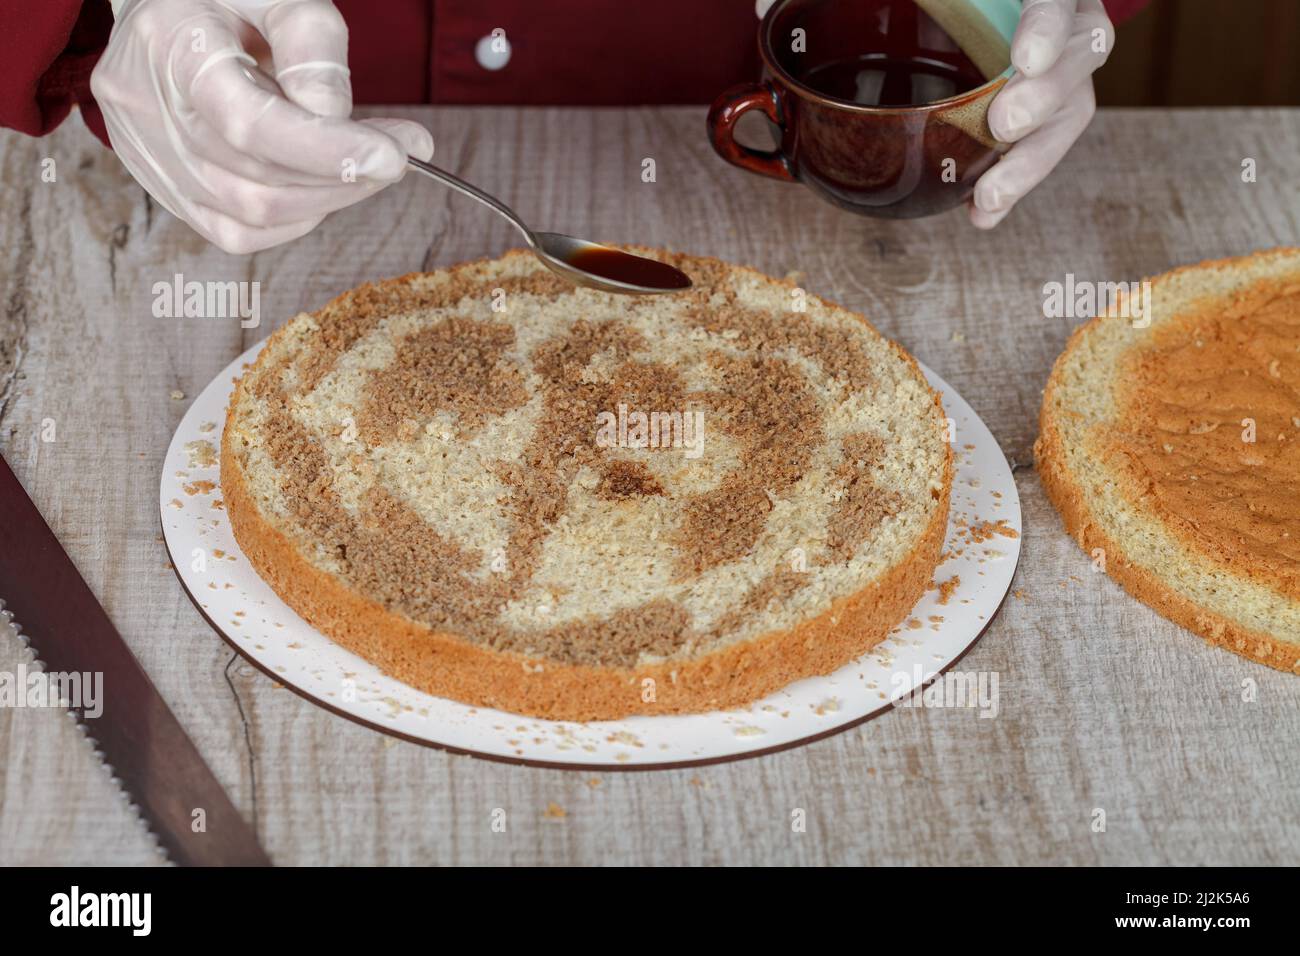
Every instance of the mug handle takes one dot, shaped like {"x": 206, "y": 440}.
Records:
{"x": 724, "y": 112}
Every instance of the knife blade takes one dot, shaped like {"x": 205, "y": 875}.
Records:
{"x": 149, "y": 752}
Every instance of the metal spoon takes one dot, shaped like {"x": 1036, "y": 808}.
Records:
{"x": 580, "y": 261}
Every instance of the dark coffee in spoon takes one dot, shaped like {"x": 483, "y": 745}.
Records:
{"x": 620, "y": 266}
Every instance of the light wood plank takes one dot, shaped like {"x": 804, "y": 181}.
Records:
{"x": 1104, "y": 704}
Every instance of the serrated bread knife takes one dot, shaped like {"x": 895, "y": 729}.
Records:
{"x": 48, "y": 603}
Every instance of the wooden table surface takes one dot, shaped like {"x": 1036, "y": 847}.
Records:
{"x": 1190, "y": 750}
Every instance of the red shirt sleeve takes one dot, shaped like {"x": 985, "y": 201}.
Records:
{"x": 561, "y": 52}
{"x": 47, "y": 51}
{"x": 1121, "y": 10}
{"x": 413, "y": 51}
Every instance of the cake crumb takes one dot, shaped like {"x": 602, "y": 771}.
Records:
{"x": 984, "y": 531}
{"x": 201, "y": 453}
{"x": 946, "y": 588}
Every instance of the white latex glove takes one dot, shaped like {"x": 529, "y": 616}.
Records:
{"x": 1048, "y": 103}
{"x": 248, "y": 168}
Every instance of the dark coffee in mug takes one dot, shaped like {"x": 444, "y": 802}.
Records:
{"x": 871, "y": 52}
{"x": 876, "y": 107}
{"x": 876, "y": 79}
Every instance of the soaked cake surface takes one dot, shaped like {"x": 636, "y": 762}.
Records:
{"x": 590, "y": 478}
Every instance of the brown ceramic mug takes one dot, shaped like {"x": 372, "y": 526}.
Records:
{"x": 839, "y": 80}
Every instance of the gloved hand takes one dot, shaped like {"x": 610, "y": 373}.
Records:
{"x": 246, "y": 165}
{"x": 1048, "y": 103}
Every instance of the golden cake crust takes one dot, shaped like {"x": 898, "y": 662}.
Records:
{"x": 446, "y": 664}
{"x": 1196, "y": 530}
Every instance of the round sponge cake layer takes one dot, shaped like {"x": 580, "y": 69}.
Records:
{"x": 1171, "y": 447}
{"x": 517, "y": 493}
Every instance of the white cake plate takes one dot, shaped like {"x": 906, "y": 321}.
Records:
{"x": 982, "y": 548}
